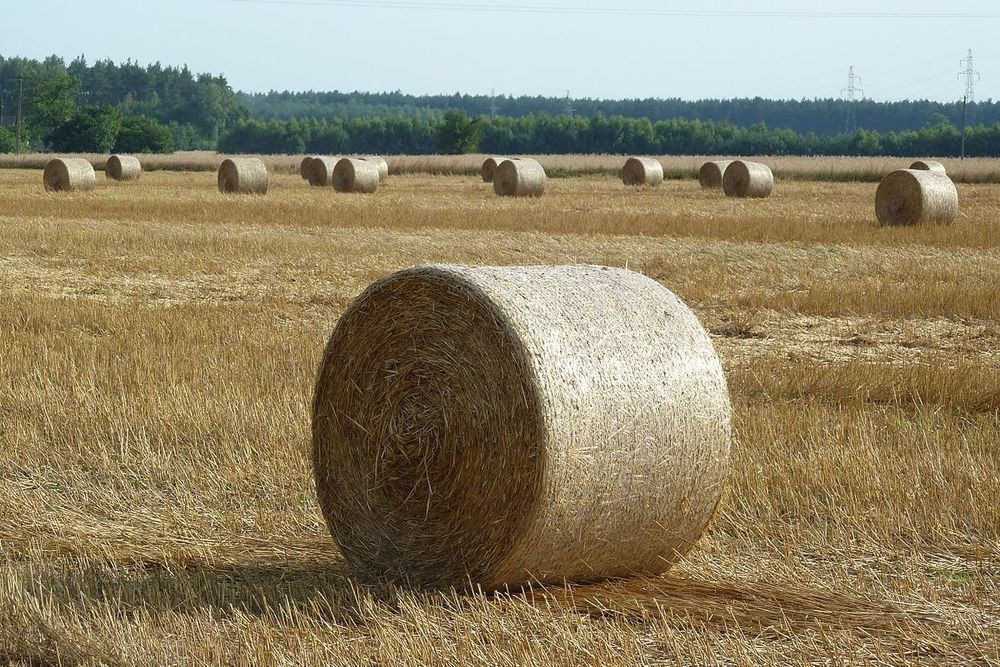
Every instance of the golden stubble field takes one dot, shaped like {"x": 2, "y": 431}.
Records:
{"x": 159, "y": 345}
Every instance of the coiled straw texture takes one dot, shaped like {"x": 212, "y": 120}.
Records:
{"x": 321, "y": 170}
{"x": 305, "y": 165}
{"x": 914, "y": 196}
{"x": 383, "y": 166}
{"x": 642, "y": 171}
{"x": 747, "y": 179}
{"x": 70, "y": 174}
{"x": 489, "y": 167}
{"x": 498, "y": 426}
{"x": 355, "y": 175}
{"x": 710, "y": 174}
{"x": 123, "y": 168}
{"x": 523, "y": 177}
{"x": 243, "y": 175}
{"x": 929, "y": 165}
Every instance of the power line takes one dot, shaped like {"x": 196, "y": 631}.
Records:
{"x": 618, "y": 11}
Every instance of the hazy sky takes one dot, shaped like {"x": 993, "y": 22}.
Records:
{"x": 590, "y": 47}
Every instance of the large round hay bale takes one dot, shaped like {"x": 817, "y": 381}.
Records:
{"x": 355, "y": 175}
{"x": 489, "y": 167}
{"x": 71, "y": 174}
{"x": 929, "y": 165}
{"x": 522, "y": 177}
{"x": 495, "y": 426}
{"x": 321, "y": 170}
{"x": 243, "y": 175}
{"x": 710, "y": 174}
{"x": 305, "y": 165}
{"x": 913, "y": 196}
{"x": 383, "y": 166}
{"x": 747, "y": 179}
{"x": 123, "y": 168}
{"x": 642, "y": 171}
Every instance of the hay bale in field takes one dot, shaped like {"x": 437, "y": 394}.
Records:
{"x": 489, "y": 167}
{"x": 929, "y": 165}
{"x": 642, "y": 171}
{"x": 495, "y": 426}
{"x": 69, "y": 174}
{"x": 747, "y": 179}
{"x": 123, "y": 168}
{"x": 522, "y": 177}
{"x": 383, "y": 166}
{"x": 913, "y": 196}
{"x": 355, "y": 175}
{"x": 305, "y": 165}
{"x": 710, "y": 174}
{"x": 321, "y": 170}
{"x": 243, "y": 175}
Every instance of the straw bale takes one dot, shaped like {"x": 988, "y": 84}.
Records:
{"x": 913, "y": 196}
{"x": 243, "y": 175}
{"x": 70, "y": 174}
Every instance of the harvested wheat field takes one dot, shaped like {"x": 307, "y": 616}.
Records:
{"x": 160, "y": 345}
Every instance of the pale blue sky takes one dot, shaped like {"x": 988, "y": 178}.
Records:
{"x": 391, "y": 44}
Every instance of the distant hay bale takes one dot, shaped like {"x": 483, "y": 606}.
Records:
{"x": 710, "y": 174}
{"x": 747, "y": 179}
{"x": 489, "y": 167}
{"x": 71, "y": 174}
{"x": 383, "y": 166}
{"x": 305, "y": 165}
{"x": 123, "y": 168}
{"x": 321, "y": 170}
{"x": 929, "y": 165}
{"x": 914, "y": 196}
{"x": 642, "y": 171}
{"x": 243, "y": 175}
{"x": 355, "y": 175}
{"x": 497, "y": 426}
{"x": 521, "y": 177}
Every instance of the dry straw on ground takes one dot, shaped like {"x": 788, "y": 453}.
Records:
{"x": 489, "y": 168}
{"x": 321, "y": 170}
{"x": 913, "y": 196}
{"x": 747, "y": 179}
{"x": 497, "y": 426}
{"x": 246, "y": 175}
{"x": 522, "y": 177}
{"x": 383, "y": 166}
{"x": 355, "y": 175}
{"x": 929, "y": 165}
{"x": 642, "y": 171}
{"x": 123, "y": 168}
{"x": 710, "y": 174}
{"x": 69, "y": 175}
{"x": 304, "y": 166}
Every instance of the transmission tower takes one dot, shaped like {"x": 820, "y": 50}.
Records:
{"x": 851, "y": 95}
{"x": 493, "y": 103}
{"x": 569, "y": 105}
{"x": 971, "y": 76}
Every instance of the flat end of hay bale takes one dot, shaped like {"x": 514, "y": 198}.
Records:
{"x": 243, "y": 175}
{"x": 747, "y": 180}
{"x": 710, "y": 174}
{"x": 915, "y": 196}
{"x": 519, "y": 177}
{"x": 642, "y": 171}
{"x": 355, "y": 176}
{"x": 69, "y": 175}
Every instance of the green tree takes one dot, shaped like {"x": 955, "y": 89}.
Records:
{"x": 91, "y": 130}
{"x": 49, "y": 102}
{"x": 458, "y": 134}
{"x": 142, "y": 134}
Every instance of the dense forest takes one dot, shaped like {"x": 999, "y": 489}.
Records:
{"x": 104, "y": 106}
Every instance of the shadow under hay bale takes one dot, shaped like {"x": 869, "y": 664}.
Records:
{"x": 355, "y": 175}
{"x": 747, "y": 180}
{"x": 72, "y": 174}
{"x": 710, "y": 174}
{"x": 521, "y": 177}
{"x": 497, "y": 426}
{"x": 642, "y": 171}
{"x": 244, "y": 175}
{"x": 915, "y": 196}
{"x": 123, "y": 168}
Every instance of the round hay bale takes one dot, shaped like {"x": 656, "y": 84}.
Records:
{"x": 355, "y": 175}
{"x": 123, "y": 168}
{"x": 383, "y": 166}
{"x": 489, "y": 167}
{"x": 321, "y": 170}
{"x": 913, "y": 196}
{"x": 747, "y": 179}
{"x": 305, "y": 165}
{"x": 71, "y": 174}
{"x": 522, "y": 177}
{"x": 929, "y": 165}
{"x": 496, "y": 426}
{"x": 243, "y": 175}
{"x": 642, "y": 171}
{"x": 710, "y": 174}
